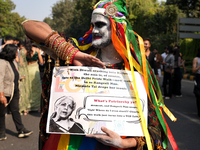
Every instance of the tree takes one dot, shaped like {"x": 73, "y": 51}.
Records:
{"x": 71, "y": 17}
{"x": 154, "y": 20}
{"x": 190, "y": 7}
{"x": 82, "y": 18}
{"x": 62, "y": 14}
{"x": 10, "y": 23}
{"x": 162, "y": 26}
{"x": 147, "y": 17}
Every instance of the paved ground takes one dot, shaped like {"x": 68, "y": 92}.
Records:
{"x": 31, "y": 122}
{"x": 187, "y": 127}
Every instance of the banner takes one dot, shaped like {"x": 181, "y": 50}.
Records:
{"x": 83, "y": 99}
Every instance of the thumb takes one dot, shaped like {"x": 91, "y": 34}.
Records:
{"x": 5, "y": 104}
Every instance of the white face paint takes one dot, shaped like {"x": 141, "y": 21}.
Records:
{"x": 101, "y": 33}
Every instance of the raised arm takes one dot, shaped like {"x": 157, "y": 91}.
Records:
{"x": 41, "y": 32}
{"x": 36, "y": 30}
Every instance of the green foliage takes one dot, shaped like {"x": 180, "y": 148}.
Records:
{"x": 62, "y": 14}
{"x": 48, "y": 20}
{"x": 154, "y": 20}
{"x": 6, "y": 6}
{"x": 148, "y": 18}
{"x": 190, "y": 7}
{"x": 189, "y": 47}
{"x": 71, "y": 17}
{"x": 10, "y": 23}
{"x": 82, "y": 17}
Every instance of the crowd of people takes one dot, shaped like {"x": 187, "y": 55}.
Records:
{"x": 20, "y": 81}
{"x": 170, "y": 62}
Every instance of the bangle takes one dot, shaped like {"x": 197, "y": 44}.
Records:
{"x": 2, "y": 96}
{"x": 47, "y": 38}
{"x": 61, "y": 47}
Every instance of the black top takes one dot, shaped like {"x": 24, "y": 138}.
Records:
{"x": 76, "y": 128}
{"x": 152, "y": 61}
{"x": 16, "y": 73}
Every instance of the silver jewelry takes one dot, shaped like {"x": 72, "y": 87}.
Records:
{"x": 111, "y": 10}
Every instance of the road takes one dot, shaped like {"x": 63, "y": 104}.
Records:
{"x": 185, "y": 130}
{"x": 31, "y": 122}
{"x": 187, "y": 127}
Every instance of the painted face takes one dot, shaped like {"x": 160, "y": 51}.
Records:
{"x": 147, "y": 45}
{"x": 65, "y": 108}
{"x": 101, "y": 33}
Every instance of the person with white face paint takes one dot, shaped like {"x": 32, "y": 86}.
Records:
{"x": 101, "y": 38}
{"x": 115, "y": 45}
{"x": 101, "y": 33}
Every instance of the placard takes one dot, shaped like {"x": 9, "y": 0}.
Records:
{"x": 83, "y": 99}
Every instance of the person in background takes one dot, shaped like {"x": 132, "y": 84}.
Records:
{"x": 159, "y": 61}
{"x": 16, "y": 41}
{"x": 9, "y": 91}
{"x": 168, "y": 73}
{"x": 33, "y": 56}
{"x": 177, "y": 74}
{"x": 24, "y": 85}
{"x": 164, "y": 55}
{"x": 7, "y": 40}
{"x": 196, "y": 70}
{"x": 151, "y": 57}
{"x": 182, "y": 60}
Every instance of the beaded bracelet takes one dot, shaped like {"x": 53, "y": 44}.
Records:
{"x": 61, "y": 47}
{"x": 58, "y": 44}
{"x": 47, "y": 39}
{"x": 53, "y": 40}
{"x": 64, "y": 50}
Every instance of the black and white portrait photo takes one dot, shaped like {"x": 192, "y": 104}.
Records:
{"x": 60, "y": 120}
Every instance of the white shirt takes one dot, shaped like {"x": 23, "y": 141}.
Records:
{"x": 164, "y": 55}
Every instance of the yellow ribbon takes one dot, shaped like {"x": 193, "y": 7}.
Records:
{"x": 144, "y": 66}
{"x": 166, "y": 110}
{"x": 138, "y": 104}
{"x": 122, "y": 50}
{"x": 169, "y": 114}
